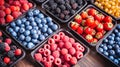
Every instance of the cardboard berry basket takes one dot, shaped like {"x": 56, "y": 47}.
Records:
{"x": 100, "y": 45}
{"x": 67, "y": 33}
{"x": 71, "y": 15}
{"x": 34, "y": 5}
{"x": 93, "y": 2}
{"x": 36, "y": 45}
{"x": 4, "y": 35}
{"x": 105, "y": 14}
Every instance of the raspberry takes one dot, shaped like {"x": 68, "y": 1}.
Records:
{"x": 53, "y": 47}
{"x": 2, "y": 2}
{"x": 65, "y": 38}
{"x": 7, "y": 11}
{"x": 44, "y": 59}
{"x": 61, "y": 34}
{"x": 57, "y": 61}
{"x": 46, "y": 46}
{"x": 56, "y": 37}
{"x": 73, "y": 60}
{"x": 64, "y": 51}
{"x": 71, "y": 40}
{"x": 47, "y": 52}
{"x": 50, "y": 58}
{"x": 2, "y": 21}
{"x": 18, "y": 52}
{"x": 74, "y": 44}
{"x": 16, "y": 14}
{"x": 25, "y": 7}
{"x": 7, "y": 5}
{"x": 23, "y": 1}
{"x": 79, "y": 54}
{"x": 13, "y": 8}
{"x": 9, "y": 18}
{"x": 30, "y": 5}
{"x": 72, "y": 51}
{"x": 51, "y": 41}
{"x": 67, "y": 45}
{"x": 61, "y": 44}
{"x": 16, "y": 3}
{"x": 2, "y": 7}
{"x": 41, "y": 50}
{"x": 17, "y": 8}
{"x": 67, "y": 57}
{"x": 7, "y": 47}
{"x": 8, "y": 41}
{"x": 67, "y": 64}
{"x": 64, "y": 66}
{"x": 38, "y": 57}
{"x": 56, "y": 54}
{"x": 6, "y": 60}
{"x": 47, "y": 64}
{"x": 2, "y": 14}
{"x": 79, "y": 47}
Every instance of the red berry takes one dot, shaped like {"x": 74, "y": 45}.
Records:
{"x": 16, "y": 14}
{"x": 41, "y": 50}
{"x": 16, "y": 3}
{"x": 78, "y": 18}
{"x": 17, "y": 8}
{"x": 73, "y": 60}
{"x": 44, "y": 59}
{"x": 23, "y": 1}
{"x": 7, "y": 47}
{"x": 7, "y": 11}
{"x": 9, "y": 18}
{"x": 61, "y": 34}
{"x": 64, "y": 66}
{"x": 57, "y": 61}
{"x": 65, "y": 38}
{"x": 56, "y": 37}
{"x": 2, "y": 21}
{"x": 74, "y": 44}
{"x": 67, "y": 57}
{"x": 38, "y": 57}
{"x": 67, "y": 45}
{"x": 79, "y": 55}
{"x": 80, "y": 30}
{"x": 25, "y": 7}
{"x": 67, "y": 64}
{"x": 48, "y": 64}
{"x": 2, "y": 14}
{"x": 53, "y": 47}
{"x": 72, "y": 51}
{"x": 30, "y": 5}
{"x": 71, "y": 40}
{"x": 56, "y": 54}
{"x": 79, "y": 47}
{"x": 8, "y": 41}
{"x": 61, "y": 44}
{"x": 13, "y": 8}
{"x": 18, "y": 52}
{"x": 47, "y": 52}
{"x": 64, "y": 51}
{"x": 2, "y": 2}
{"x": 0, "y": 33}
{"x": 7, "y": 60}
{"x": 51, "y": 41}
{"x": 47, "y": 46}
{"x": 50, "y": 58}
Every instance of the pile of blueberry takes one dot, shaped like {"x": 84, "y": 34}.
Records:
{"x": 63, "y": 9}
{"x": 9, "y": 53}
{"x": 110, "y": 46}
{"x": 32, "y": 29}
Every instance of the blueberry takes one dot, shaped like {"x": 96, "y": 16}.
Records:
{"x": 117, "y": 51}
{"x": 28, "y": 27}
{"x": 44, "y": 29}
{"x": 23, "y": 20}
{"x": 115, "y": 31}
{"x": 111, "y": 42}
{"x": 112, "y": 34}
{"x": 24, "y": 43}
{"x": 54, "y": 27}
{"x": 18, "y": 22}
{"x": 40, "y": 25}
{"x": 10, "y": 30}
{"x": 12, "y": 24}
{"x": 117, "y": 39}
{"x": 43, "y": 21}
{"x": 22, "y": 25}
{"x": 49, "y": 31}
{"x": 17, "y": 28}
{"x": 50, "y": 23}
{"x": 105, "y": 40}
{"x": 112, "y": 52}
{"x": 118, "y": 43}
{"x": 38, "y": 32}
{"x": 116, "y": 46}
{"x": 105, "y": 47}
{"x": 100, "y": 49}
{"x": 40, "y": 15}
{"x": 118, "y": 34}
{"x": 30, "y": 14}
{"x": 33, "y": 31}
{"x": 105, "y": 53}
{"x": 27, "y": 32}
{"x": 37, "y": 20}
{"x": 33, "y": 24}
{"x": 27, "y": 23}
{"x": 34, "y": 41}
{"x": 35, "y": 36}
{"x": 118, "y": 26}
{"x": 101, "y": 45}
{"x": 14, "y": 34}
{"x": 110, "y": 38}
{"x": 49, "y": 19}
{"x": 36, "y": 28}
{"x": 31, "y": 19}
{"x": 45, "y": 25}
{"x": 30, "y": 45}
{"x": 111, "y": 57}
{"x": 116, "y": 61}
{"x": 41, "y": 37}
{"x": 28, "y": 39}
{"x": 109, "y": 46}
{"x": 22, "y": 37}
{"x": 45, "y": 34}
{"x": 36, "y": 12}
{"x": 22, "y": 30}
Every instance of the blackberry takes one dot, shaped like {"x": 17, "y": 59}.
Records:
{"x": 67, "y": 17}
{"x": 50, "y": 2}
{"x": 2, "y": 47}
{"x": 13, "y": 47}
{"x": 2, "y": 64}
{"x": 72, "y": 1}
{"x": 74, "y": 6}
{"x": 67, "y": 1}
{"x": 68, "y": 6}
{"x": 62, "y": 16}
{"x": 10, "y": 54}
{"x": 72, "y": 12}
{"x": 62, "y": 2}
{"x": 58, "y": 10}
{"x": 53, "y": 6}
{"x": 80, "y": 2}
{"x": 66, "y": 12}
{"x": 62, "y": 7}
{"x": 47, "y": 7}
{"x": 1, "y": 38}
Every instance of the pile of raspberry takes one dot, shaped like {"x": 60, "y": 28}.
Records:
{"x": 60, "y": 51}
{"x": 12, "y": 9}
{"x": 9, "y": 53}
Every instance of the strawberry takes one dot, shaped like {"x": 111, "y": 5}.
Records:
{"x": 74, "y": 25}
{"x": 80, "y": 30}
{"x": 78, "y": 19}
{"x": 89, "y": 38}
{"x": 99, "y": 35}
{"x": 108, "y": 26}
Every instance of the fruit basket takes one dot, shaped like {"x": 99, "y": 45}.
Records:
{"x": 110, "y": 46}
{"x": 66, "y": 11}
{"x": 11, "y": 10}
{"x": 77, "y": 48}
{"x": 10, "y": 52}
{"x": 32, "y": 29}
{"x": 92, "y": 24}
{"x": 110, "y": 7}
